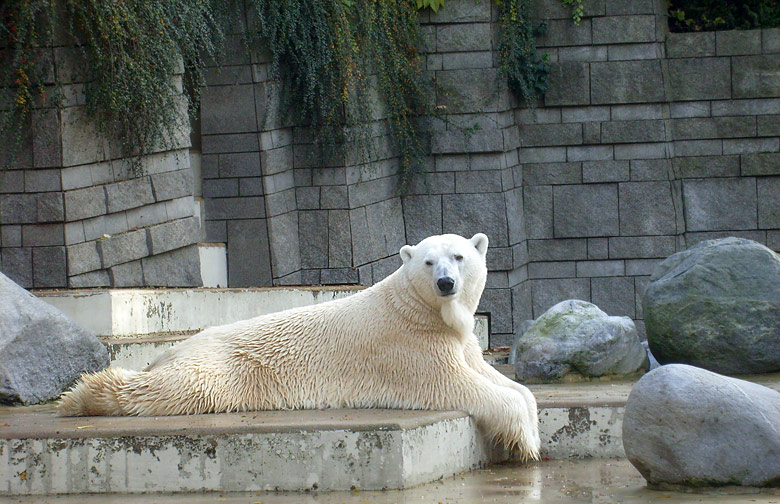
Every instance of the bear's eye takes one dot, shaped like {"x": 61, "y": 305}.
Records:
{"x": 459, "y": 258}
{"x": 429, "y": 263}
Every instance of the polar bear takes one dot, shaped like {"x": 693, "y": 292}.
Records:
{"x": 406, "y": 342}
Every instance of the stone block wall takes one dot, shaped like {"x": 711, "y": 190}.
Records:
{"x": 646, "y": 143}
{"x": 74, "y": 214}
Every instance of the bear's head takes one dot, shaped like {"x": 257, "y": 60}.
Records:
{"x": 449, "y": 272}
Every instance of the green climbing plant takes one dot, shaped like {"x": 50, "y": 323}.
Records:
{"x": 577, "y": 10}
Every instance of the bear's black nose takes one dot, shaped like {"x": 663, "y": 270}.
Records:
{"x": 445, "y": 284}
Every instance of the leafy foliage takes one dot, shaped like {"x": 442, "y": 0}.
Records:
{"x": 331, "y": 52}
{"x": 577, "y": 10}
{"x": 129, "y": 51}
{"x": 524, "y": 70}
{"x": 434, "y": 5}
{"x": 710, "y": 15}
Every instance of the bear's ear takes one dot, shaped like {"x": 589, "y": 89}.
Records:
{"x": 480, "y": 242}
{"x": 406, "y": 253}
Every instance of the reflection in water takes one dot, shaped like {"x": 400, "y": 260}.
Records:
{"x": 595, "y": 481}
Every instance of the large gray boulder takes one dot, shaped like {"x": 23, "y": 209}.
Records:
{"x": 687, "y": 426}
{"x": 576, "y": 337}
{"x": 716, "y": 306}
{"x": 42, "y": 351}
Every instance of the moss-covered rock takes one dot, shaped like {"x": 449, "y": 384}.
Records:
{"x": 576, "y": 337}
{"x": 717, "y": 306}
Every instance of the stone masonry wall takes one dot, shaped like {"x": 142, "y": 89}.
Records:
{"x": 646, "y": 143}
{"x": 73, "y": 214}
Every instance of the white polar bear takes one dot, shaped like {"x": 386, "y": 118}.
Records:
{"x": 407, "y": 342}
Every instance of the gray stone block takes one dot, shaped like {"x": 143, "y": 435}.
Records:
{"x": 84, "y": 203}
{"x": 173, "y": 235}
{"x": 83, "y": 257}
{"x": 700, "y": 78}
{"x": 499, "y": 259}
{"x": 642, "y": 151}
{"x": 123, "y": 248}
{"x": 43, "y": 235}
{"x": 644, "y": 267}
{"x": 17, "y": 265}
{"x": 710, "y": 166}
{"x": 686, "y": 148}
{"x": 10, "y": 236}
{"x": 339, "y": 240}
{"x": 737, "y": 42}
{"x": 461, "y": 60}
{"x": 172, "y": 185}
{"x": 614, "y": 296}
{"x": 720, "y": 204}
{"x": 177, "y": 268}
{"x": 768, "y": 202}
{"x": 127, "y": 275}
{"x": 498, "y": 303}
{"x": 333, "y": 197}
{"x": 559, "y": 269}
{"x": 557, "y": 250}
{"x": 591, "y": 133}
{"x": 462, "y": 38}
{"x": 470, "y": 90}
{"x": 313, "y": 230}
{"x": 243, "y": 164}
{"x": 91, "y": 279}
{"x": 538, "y": 211}
{"x": 235, "y": 208}
{"x": 626, "y": 7}
{"x": 563, "y": 32}
{"x": 42, "y": 180}
{"x": 422, "y": 217}
{"x": 81, "y": 144}
{"x": 582, "y": 53}
{"x": 537, "y": 115}
{"x": 128, "y": 194}
{"x": 598, "y": 248}
{"x": 770, "y": 40}
{"x": 12, "y": 181}
{"x": 339, "y": 276}
{"x": 462, "y": 11}
{"x": 586, "y": 210}
{"x": 490, "y": 161}
{"x": 219, "y": 144}
{"x": 624, "y": 29}
{"x": 310, "y": 277}
{"x": 372, "y": 191}
{"x": 384, "y": 267}
{"x": 280, "y": 203}
{"x": 768, "y": 125}
{"x": 284, "y": 243}
{"x": 227, "y": 109}
{"x": 216, "y": 231}
{"x": 278, "y": 182}
{"x": 540, "y": 135}
{"x": 590, "y": 153}
{"x": 365, "y": 248}
{"x": 250, "y": 186}
{"x": 586, "y": 114}
{"x": 497, "y": 280}
{"x": 467, "y": 214}
{"x": 646, "y": 208}
{"x": 484, "y": 181}
{"x": 633, "y": 131}
{"x": 249, "y": 262}
{"x": 767, "y": 163}
{"x": 227, "y": 75}
{"x": 628, "y": 247}
{"x": 551, "y": 173}
{"x": 325, "y": 176}
{"x": 626, "y": 82}
{"x": 307, "y": 198}
{"x": 713, "y": 127}
{"x": 543, "y": 155}
{"x": 220, "y": 188}
{"x": 386, "y": 226}
{"x": 276, "y": 160}
{"x": 600, "y": 268}
{"x": 624, "y": 52}
{"x": 547, "y": 293}
{"x": 51, "y": 207}
{"x": 605, "y": 171}
{"x": 690, "y": 45}
{"x": 47, "y": 146}
{"x": 452, "y": 162}
{"x": 49, "y": 267}
{"x": 750, "y": 145}
{"x": 98, "y": 227}
{"x": 456, "y": 141}
{"x": 569, "y": 84}
{"x": 692, "y": 109}
{"x": 515, "y": 218}
{"x": 645, "y": 170}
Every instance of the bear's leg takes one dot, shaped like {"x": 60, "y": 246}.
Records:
{"x": 502, "y": 411}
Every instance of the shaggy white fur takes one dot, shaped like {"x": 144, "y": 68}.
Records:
{"x": 399, "y": 344}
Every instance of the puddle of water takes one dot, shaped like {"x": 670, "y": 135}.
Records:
{"x": 595, "y": 481}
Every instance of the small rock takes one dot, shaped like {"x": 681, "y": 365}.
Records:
{"x": 577, "y": 337}
{"x": 687, "y": 426}
{"x": 716, "y": 306}
{"x": 42, "y": 351}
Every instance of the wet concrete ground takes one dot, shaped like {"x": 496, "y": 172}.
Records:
{"x": 549, "y": 482}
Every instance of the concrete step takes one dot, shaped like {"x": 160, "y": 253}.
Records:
{"x": 138, "y": 324}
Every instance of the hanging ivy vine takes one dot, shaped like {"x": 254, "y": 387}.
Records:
{"x": 347, "y": 66}
{"x": 129, "y": 50}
